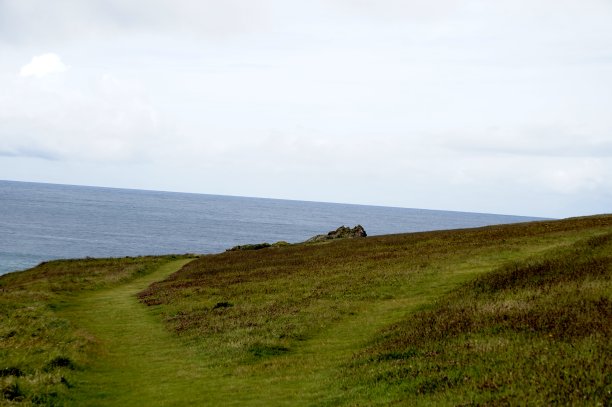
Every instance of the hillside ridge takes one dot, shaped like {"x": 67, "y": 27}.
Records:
{"x": 492, "y": 315}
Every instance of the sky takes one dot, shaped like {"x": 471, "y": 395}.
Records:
{"x": 482, "y": 106}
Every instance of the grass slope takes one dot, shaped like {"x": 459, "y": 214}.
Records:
{"x": 41, "y": 351}
{"x": 292, "y": 318}
{"x": 138, "y": 360}
{"x": 535, "y": 331}
{"x": 449, "y": 317}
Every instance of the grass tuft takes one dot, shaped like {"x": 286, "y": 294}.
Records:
{"x": 12, "y": 392}
{"x": 223, "y": 304}
{"x": 11, "y": 371}
{"x": 265, "y": 350}
{"x": 59, "y": 362}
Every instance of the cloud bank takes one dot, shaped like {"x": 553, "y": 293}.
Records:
{"x": 99, "y": 119}
{"x": 480, "y": 106}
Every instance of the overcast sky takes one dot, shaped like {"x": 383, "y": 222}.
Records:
{"x": 485, "y": 106}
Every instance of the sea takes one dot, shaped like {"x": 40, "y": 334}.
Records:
{"x": 41, "y": 222}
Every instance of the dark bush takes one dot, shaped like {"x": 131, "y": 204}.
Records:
{"x": 223, "y": 304}
{"x": 59, "y": 361}
{"x": 11, "y": 371}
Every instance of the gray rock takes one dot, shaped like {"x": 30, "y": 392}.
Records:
{"x": 343, "y": 232}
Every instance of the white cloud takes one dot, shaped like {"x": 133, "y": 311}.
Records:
{"x": 43, "y": 65}
{"x": 96, "y": 118}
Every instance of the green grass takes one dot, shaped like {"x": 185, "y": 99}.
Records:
{"x": 497, "y": 315}
{"x": 41, "y": 352}
{"x": 537, "y": 330}
{"x": 137, "y": 359}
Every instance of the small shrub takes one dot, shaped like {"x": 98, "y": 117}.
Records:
{"x": 59, "y": 361}
{"x": 256, "y": 246}
{"x": 11, "y": 371}
{"x": 261, "y": 350}
{"x": 223, "y": 304}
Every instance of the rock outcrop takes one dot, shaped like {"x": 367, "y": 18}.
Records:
{"x": 343, "y": 232}
{"x": 258, "y": 246}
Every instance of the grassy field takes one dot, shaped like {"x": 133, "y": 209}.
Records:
{"x": 41, "y": 351}
{"x": 500, "y": 315}
{"x": 537, "y": 330}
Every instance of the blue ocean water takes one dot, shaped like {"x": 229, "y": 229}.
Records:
{"x": 40, "y": 222}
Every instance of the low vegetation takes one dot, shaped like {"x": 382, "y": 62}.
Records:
{"x": 40, "y": 352}
{"x": 498, "y": 315}
{"x": 289, "y": 294}
{"x": 536, "y": 330}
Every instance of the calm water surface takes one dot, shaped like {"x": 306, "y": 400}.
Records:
{"x": 40, "y": 222}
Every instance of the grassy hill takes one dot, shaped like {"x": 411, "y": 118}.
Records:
{"x": 498, "y": 315}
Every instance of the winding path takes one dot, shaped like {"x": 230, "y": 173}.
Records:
{"x": 140, "y": 362}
